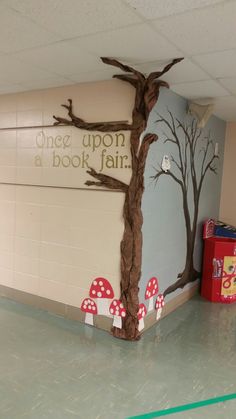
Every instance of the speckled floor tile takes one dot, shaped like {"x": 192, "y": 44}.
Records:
{"x": 52, "y": 368}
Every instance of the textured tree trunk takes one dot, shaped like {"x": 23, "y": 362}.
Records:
{"x": 131, "y": 244}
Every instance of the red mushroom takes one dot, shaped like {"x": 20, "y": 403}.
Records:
{"x": 160, "y": 302}
{"x": 90, "y": 308}
{"x": 141, "y": 314}
{"x": 118, "y": 312}
{"x": 102, "y": 290}
{"x": 151, "y": 291}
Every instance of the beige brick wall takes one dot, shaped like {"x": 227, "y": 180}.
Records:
{"x": 54, "y": 242}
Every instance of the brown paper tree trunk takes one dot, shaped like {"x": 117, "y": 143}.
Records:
{"x": 147, "y": 92}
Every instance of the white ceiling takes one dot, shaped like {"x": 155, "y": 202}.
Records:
{"x": 47, "y": 43}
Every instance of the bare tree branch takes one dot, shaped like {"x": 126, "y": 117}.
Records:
{"x": 124, "y": 67}
{"x": 105, "y": 181}
{"x": 190, "y": 138}
{"x": 210, "y": 167}
{"x": 209, "y": 142}
{"x": 157, "y": 74}
{"x": 91, "y": 126}
{"x": 161, "y": 172}
{"x": 197, "y": 132}
{"x": 176, "y": 164}
{"x": 185, "y": 160}
{"x": 175, "y": 140}
{"x": 129, "y": 79}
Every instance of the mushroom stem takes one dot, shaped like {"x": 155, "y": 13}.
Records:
{"x": 141, "y": 325}
{"x": 103, "y": 306}
{"x": 150, "y": 304}
{"x": 159, "y": 313}
{"x": 117, "y": 322}
{"x": 89, "y": 318}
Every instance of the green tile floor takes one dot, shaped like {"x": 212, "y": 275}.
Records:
{"x": 52, "y": 368}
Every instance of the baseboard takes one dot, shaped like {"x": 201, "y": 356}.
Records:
{"x": 61, "y": 309}
{"x": 172, "y": 305}
{"x": 74, "y": 313}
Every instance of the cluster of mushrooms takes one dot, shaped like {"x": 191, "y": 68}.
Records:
{"x": 101, "y": 302}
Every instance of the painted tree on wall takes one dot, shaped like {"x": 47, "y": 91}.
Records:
{"x": 147, "y": 92}
{"x": 186, "y": 139}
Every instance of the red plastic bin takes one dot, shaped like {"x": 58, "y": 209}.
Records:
{"x": 219, "y": 270}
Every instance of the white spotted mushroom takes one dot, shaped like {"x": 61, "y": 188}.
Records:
{"x": 90, "y": 308}
{"x": 102, "y": 291}
{"x": 151, "y": 291}
{"x": 160, "y": 302}
{"x": 118, "y": 312}
{"x": 141, "y": 314}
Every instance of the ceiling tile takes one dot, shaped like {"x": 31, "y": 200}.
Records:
{"x": 225, "y": 108}
{"x": 185, "y": 71}
{"x": 202, "y": 30}
{"x": 134, "y": 44}
{"x": 92, "y": 76}
{"x": 16, "y": 72}
{"x": 153, "y": 9}
{"x": 18, "y": 33}
{"x": 229, "y": 84}
{"x": 218, "y": 64}
{"x": 76, "y": 17}
{"x": 200, "y": 89}
{"x": 61, "y": 58}
{"x": 55, "y": 81}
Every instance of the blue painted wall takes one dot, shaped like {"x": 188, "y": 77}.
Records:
{"x": 164, "y": 237}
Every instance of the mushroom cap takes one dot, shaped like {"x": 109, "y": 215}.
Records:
{"x": 142, "y": 311}
{"x": 89, "y": 306}
{"x": 160, "y": 302}
{"x": 152, "y": 288}
{"x": 101, "y": 288}
{"x": 117, "y": 309}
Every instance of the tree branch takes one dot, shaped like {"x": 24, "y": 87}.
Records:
{"x": 129, "y": 79}
{"x": 177, "y": 164}
{"x": 168, "y": 173}
{"x": 172, "y": 127}
{"x": 190, "y": 139}
{"x": 91, "y": 126}
{"x": 157, "y": 74}
{"x": 205, "y": 150}
{"x": 124, "y": 67}
{"x": 105, "y": 181}
{"x": 210, "y": 167}
{"x": 196, "y": 133}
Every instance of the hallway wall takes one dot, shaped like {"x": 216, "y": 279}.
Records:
{"x": 55, "y": 240}
{"x": 164, "y": 231}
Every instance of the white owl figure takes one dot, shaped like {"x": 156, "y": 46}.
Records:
{"x": 165, "y": 164}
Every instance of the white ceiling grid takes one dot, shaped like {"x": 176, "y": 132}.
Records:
{"x": 48, "y": 43}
